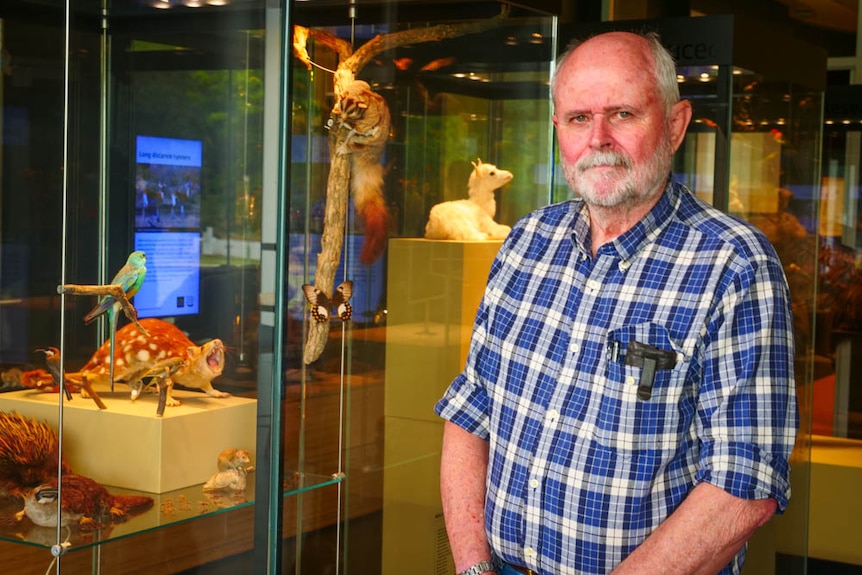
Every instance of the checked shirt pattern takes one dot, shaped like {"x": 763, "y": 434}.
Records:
{"x": 581, "y": 471}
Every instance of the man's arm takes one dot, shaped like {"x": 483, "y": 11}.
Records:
{"x": 701, "y": 536}
{"x": 462, "y": 486}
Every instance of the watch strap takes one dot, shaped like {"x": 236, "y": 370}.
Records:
{"x": 479, "y": 568}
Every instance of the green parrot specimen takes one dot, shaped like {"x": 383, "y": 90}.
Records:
{"x": 130, "y": 277}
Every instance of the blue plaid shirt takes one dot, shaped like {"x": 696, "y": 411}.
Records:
{"x": 581, "y": 471}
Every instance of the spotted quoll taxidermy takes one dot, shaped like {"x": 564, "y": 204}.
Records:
{"x": 472, "y": 218}
{"x": 165, "y": 349}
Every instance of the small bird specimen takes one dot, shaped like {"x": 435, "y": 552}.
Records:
{"x": 83, "y": 502}
{"x": 52, "y": 362}
{"x": 29, "y": 454}
{"x": 130, "y": 277}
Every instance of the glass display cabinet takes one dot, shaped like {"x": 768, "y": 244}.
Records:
{"x": 210, "y": 137}
{"x": 454, "y": 96}
{"x": 142, "y": 127}
{"x": 277, "y": 164}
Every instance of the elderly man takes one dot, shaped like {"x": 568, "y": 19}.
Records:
{"x": 628, "y": 403}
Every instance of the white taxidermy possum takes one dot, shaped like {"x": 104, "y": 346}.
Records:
{"x": 473, "y": 218}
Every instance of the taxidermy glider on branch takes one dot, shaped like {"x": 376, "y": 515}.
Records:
{"x": 358, "y": 130}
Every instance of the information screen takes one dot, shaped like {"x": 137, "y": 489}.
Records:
{"x": 172, "y": 284}
{"x": 168, "y": 183}
{"x": 167, "y": 224}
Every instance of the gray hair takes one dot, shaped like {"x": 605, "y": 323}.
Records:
{"x": 664, "y": 70}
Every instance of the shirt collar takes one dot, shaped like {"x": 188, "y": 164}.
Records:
{"x": 627, "y": 245}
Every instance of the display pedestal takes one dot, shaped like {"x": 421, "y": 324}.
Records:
{"x": 433, "y": 291}
{"x": 127, "y": 446}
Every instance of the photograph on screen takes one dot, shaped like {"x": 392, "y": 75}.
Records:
{"x": 172, "y": 284}
{"x": 167, "y": 183}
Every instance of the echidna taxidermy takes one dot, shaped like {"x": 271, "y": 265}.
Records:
{"x": 29, "y": 454}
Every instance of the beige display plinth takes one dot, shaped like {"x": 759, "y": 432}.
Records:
{"x": 127, "y": 446}
{"x": 433, "y": 291}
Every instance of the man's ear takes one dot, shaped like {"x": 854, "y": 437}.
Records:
{"x": 680, "y": 116}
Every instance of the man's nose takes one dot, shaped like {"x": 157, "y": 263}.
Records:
{"x": 600, "y": 132}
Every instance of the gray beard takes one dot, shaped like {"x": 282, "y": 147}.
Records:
{"x": 637, "y": 185}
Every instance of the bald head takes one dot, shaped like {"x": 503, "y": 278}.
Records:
{"x": 642, "y": 53}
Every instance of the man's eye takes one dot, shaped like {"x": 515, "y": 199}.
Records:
{"x": 624, "y": 115}
{"x": 579, "y": 119}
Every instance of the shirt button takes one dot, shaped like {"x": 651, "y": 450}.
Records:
{"x": 534, "y": 483}
{"x": 630, "y": 380}
{"x": 592, "y": 286}
{"x": 552, "y": 415}
{"x": 529, "y": 552}
{"x": 574, "y": 348}
{"x": 624, "y": 265}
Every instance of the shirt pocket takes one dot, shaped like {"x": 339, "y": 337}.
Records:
{"x": 628, "y": 424}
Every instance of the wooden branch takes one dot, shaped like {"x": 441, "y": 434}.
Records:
{"x": 114, "y": 290}
{"x": 334, "y": 216}
{"x": 350, "y": 62}
{"x": 93, "y": 395}
{"x": 383, "y": 42}
{"x": 338, "y": 45}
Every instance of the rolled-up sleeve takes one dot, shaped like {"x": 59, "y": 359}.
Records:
{"x": 747, "y": 409}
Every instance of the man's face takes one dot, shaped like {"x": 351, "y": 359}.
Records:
{"x": 616, "y": 142}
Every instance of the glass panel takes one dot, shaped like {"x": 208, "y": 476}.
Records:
{"x": 462, "y": 96}
{"x": 774, "y": 171}
{"x": 142, "y": 126}
{"x": 700, "y": 158}
{"x": 836, "y": 407}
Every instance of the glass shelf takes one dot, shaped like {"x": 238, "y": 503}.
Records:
{"x": 170, "y": 508}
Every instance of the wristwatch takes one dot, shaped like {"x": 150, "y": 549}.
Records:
{"x": 479, "y": 568}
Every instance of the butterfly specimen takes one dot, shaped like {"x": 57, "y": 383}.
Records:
{"x": 322, "y": 306}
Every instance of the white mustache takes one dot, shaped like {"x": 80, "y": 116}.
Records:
{"x": 613, "y": 159}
